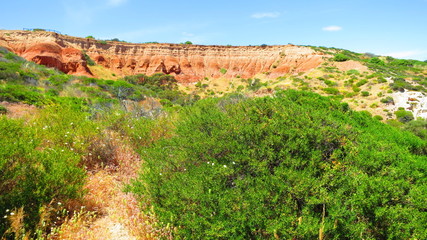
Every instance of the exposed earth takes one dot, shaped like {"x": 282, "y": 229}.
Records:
{"x": 188, "y": 63}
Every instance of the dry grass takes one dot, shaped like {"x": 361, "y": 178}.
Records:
{"x": 99, "y": 71}
{"x": 20, "y": 110}
{"x": 106, "y": 211}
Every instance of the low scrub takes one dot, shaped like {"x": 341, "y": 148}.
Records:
{"x": 292, "y": 166}
{"x": 33, "y": 175}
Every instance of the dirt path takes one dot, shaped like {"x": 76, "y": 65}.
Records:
{"x": 108, "y": 212}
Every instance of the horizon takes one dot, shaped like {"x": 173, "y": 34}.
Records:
{"x": 380, "y": 27}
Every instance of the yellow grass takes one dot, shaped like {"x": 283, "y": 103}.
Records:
{"x": 107, "y": 212}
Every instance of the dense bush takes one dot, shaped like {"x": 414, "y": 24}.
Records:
{"x": 33, "y": 175}
{"x": 404, "y": 116}
{"x": 22, "y": 93}
{"x": 292, "y": 166}
{"x": 387, "y": 100}
{"x": 331, "y": 90}
{"x": 340, "y": 57}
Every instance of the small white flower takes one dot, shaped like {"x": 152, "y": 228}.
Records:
{"x": 59, "y": 203}
{"x": 7, "y": 210}
{"x": 72, "y": 149}
{"x": 62, "y": 150}
{"x": 225, "y": 166}
{"x": 185, "y": 169}
{"x": 66, "y": 143}
{"x": 160, "y": 174}
{"x": 12, "y": 213}
{"x": 234, "y": 163}
{"x": 213, "y": 164}
{"x": 209, "y": 163}
{"x": 5, "y": 216}
{"x": 71, "y": 123}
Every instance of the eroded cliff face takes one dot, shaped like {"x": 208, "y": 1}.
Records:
{"x": 188, "y": 63}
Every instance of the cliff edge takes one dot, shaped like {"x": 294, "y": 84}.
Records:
{"x": 188, "y": 63}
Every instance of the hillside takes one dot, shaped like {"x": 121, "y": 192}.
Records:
{"x": 188, "y": 63}
{"x": 365, "y": 81}
{"x": 100, "y": 154}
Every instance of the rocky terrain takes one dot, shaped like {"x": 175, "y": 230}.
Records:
{"x": 188, "y": 63}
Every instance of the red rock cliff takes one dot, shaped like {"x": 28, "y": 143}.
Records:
{"x": 189, "y": 63}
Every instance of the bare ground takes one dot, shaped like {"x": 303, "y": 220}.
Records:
{"x": 110, "y": 213}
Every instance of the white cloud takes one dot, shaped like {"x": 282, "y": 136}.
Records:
{"x": 116, "y": 3}
{"x": 332, "y": 28}
{"x": 265, "y": 15}
{"x": 406, "y": 54}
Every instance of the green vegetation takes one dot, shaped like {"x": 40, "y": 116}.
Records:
{"x": 387, "y": 100}
{"x": 89, "y": 61}
{"x": 331, "y": 90}
{"x": 340, "y": 57}
{"x": 292, "y": 166}
{"x": 365, "y": 93}
{"x": 404, "y": 116}
{"x": 103, "y": 42}
{"x": 3, "y": 110}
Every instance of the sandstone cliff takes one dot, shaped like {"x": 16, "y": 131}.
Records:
{"x": 189, "y": 63}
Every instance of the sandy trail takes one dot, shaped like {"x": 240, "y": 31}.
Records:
{"x": 117, "y": 214}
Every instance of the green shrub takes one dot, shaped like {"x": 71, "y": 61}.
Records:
{"x": 89, "y": 61}
{"x": 376, "y": 60}
{"x": 223, "y": 71}
{"x": 340, "y": 57}
{"x": 332, "y": 91}
{"x": 400, "y": 84}
{"x": 365, "y": 93}
{"x": 361, "y": 82}
{"x": 417, "y": 127}
{"x": 58, "y": 80}
{"x": 3, "y": 110}
{"x": 330, "y": 83}
{"x": 22, "y": 93}
{"x": 353, "y": 72}
{"x": 378, "y": 117}
{"x": 387, "y": 100}
{"x": 404, "y": 116}
{"x": 254, "y": 84}
{"x": 33, "y": 175}
{"x": 286, "y": 167}
{"x": 356, "y": 89}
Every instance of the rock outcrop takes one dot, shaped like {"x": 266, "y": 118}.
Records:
{"x": 188, "y": 63}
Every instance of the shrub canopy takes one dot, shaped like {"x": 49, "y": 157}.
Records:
{"x": 293, "y": 166}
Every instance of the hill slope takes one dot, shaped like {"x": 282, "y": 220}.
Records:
{"x": 188, "y": 63}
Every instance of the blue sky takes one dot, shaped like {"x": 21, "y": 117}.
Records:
{"x": 387, "y": 27}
